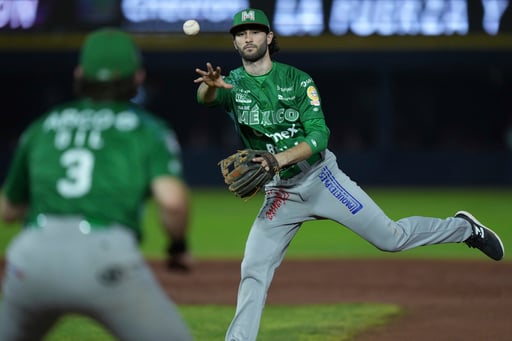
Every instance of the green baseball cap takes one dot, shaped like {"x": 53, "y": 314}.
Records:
{"x": 109, "y": 54}
{"x": 250, "y": 17}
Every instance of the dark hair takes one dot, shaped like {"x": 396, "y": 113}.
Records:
{"x": 122, "y": 89}
{"x": 273, "y": 47}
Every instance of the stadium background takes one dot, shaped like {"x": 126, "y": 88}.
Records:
{"x": 404, "y": 109}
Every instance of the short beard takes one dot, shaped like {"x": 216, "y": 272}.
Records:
{"x": 260, "y": 53}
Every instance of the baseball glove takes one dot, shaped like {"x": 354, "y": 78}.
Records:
{"x": 245, "y": 177}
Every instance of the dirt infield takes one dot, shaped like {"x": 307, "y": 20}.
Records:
{"x": 442, "y": 300}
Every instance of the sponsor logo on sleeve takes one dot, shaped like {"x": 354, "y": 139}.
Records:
{"x": 313, "y": 95}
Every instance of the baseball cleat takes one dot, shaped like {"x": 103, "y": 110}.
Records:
{"x": 483, "y": 238}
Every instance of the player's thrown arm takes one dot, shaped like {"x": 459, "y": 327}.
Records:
{"x": 209, "y": 81}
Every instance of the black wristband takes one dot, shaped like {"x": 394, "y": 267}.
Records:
{"x": 177, "y": 247}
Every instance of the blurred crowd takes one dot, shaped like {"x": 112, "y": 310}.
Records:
{"x": 417, "y": 106}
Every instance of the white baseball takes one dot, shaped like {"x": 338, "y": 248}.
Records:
{"x": 191, "y": 27}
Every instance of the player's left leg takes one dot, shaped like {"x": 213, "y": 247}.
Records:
{"x": 352, "y": 207}
{"x": 483, "y": 238}
{"x": 137, "y": 308}
{"x": 123, "y": 293}
{"x": 339, "y": 198}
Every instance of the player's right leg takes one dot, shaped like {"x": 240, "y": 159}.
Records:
{"x": 20, "y": 323}
{"x": 265, "y": 248}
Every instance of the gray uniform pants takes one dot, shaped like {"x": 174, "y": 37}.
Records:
{"x": 64, "y": 267}
{"x": 322, "y": 192}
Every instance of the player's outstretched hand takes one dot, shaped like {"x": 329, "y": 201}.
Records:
{"x": 212, "y": 77}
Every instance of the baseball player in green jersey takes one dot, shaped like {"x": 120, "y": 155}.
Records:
{"x": 79, "y": 179}
{"x": 278, "y": 108}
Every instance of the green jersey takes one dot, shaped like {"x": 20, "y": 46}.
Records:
{"x": 275, "y": 111}
{"x": 94, "y": 159}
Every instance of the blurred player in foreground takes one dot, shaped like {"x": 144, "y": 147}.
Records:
{"x": 277, "y": 108}
{"x": 79, "y": 179}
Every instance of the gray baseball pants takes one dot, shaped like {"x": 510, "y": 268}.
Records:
{"x": 321, "y": 192}
{"x": 64, "y": 267}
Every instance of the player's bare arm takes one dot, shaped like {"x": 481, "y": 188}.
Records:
{"x": 300, "y": 152}
{"x": 173, "y": 201}
{"x": 172, "y": 198}
{"x": 209, "y": 81}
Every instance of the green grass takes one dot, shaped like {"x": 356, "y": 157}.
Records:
{"x": 220, "y": 224}
{"x": 337, "y": 322}
{"x": 78, "y": 328}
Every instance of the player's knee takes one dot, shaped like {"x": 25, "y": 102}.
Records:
{"x": 255, "y": 271}
{"x": 393, "y": 241}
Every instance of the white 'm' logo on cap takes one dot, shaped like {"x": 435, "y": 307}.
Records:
{"x": 248, "y": 16}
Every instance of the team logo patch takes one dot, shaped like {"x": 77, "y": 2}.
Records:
{"x": 339, "y": 192}
{"x": 278, "y": 200}
{"x": 313, "y": 95}
{"x": 248, "y": 16}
